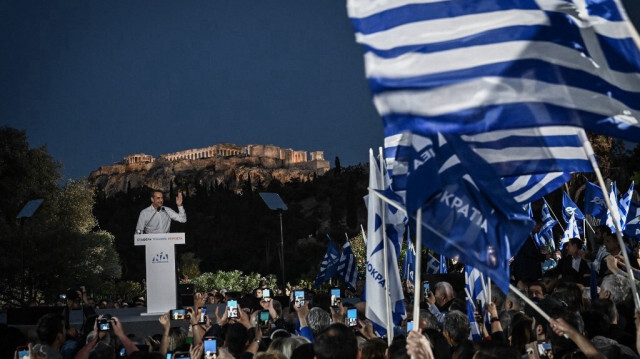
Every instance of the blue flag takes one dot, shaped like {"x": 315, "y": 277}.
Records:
{"x": 433, "y": 265}
{"x": 443, "y": 265}
{"x": 471, "y": 215}
{"x": 570, "y": 232}
{"x": 470, "y": 66}
{"x": 613, "y": 198}
{"x": 347, "y": 268}
{"x": 594, "y": 204}
{"x": 625, "y": 203}
{"x": 570, "y": 209}
{"x": 633, "y": 221}
{"x": 546, "y": 231}
{"x": 473, "y": 284}
{"x": 410, "y": 262}
{"x": 329, "y": 266}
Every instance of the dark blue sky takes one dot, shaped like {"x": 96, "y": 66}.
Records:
{"x": 97, "y": 80}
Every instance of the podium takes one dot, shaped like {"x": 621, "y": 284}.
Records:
{"x": 160, "y": 264}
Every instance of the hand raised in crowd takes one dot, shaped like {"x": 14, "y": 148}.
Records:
{"x": 165, "y": 322}
{"x": 243, "y": 318}
{"x": 418, "y": 346}
{"x": 365, "y": 327}
{"x": 339, "y": 313}
{"x": 268, "y": 305}
{"x": 196, "y": 350}
{"x": 117, "y": 327}
{"x": 179, "y": 199}
{"x": 221, "y": 319}
{"x": 491, "y": 309}
{"x": 302, "y": 311}
{"x": 430, "y": 298}
{"x": 198, "y": 300}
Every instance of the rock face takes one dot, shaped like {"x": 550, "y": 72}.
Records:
{"x": 232, "y": 172}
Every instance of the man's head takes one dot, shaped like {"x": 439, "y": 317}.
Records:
{"x": 318, "y": 319}
{"x": 455, "y": 327}
{"x": 236, "y": 338}
{"x": 600, "y": 232}
{"x": 574, "y": 246}
{"x": 337, "y": 341}
{"x": 614, "y": 287}
{"x": 537, "y": 291}
{"x": 443, "y": 293}
{"x": 611, "y": 243}
{"x": 157, "y": 199}
{"x": 50, "y": 330}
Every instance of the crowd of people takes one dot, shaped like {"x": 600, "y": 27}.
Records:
{"x": 246, "y": 325}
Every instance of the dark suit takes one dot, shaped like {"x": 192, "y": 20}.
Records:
{"x": 565, "y": 268}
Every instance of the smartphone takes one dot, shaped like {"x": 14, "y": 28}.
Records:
{"x": 123, "y": 352}
{"x": 232, "y": 309}
{"x": 352, "y": 317}
{"x": 480, "y": 307}
{"x": 299, "y": 298}
{"x": 210, "y": 348}
{"x": 544, "y": 350}
{"x": 23, "y": 352}
{"x": 182, "y": 355}
{"x": 104, "y": 324}
{"x": 409, "y": 326}
{"x": 178, "y": 314}
{"x": 266, "y": 295}
{"x": 169, "y": 355}
{"x": 425, "y": 287}
{"x": 335, "y": 297}
{"x": 263, "y": 319}
{"x": 203, "y": 315}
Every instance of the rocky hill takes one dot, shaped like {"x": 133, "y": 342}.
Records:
{"x": 234, "y": 173}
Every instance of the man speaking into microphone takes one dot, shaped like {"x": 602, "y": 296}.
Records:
{"x": 156, "y": 218}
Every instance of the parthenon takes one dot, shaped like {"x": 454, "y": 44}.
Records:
{"x": 287, "y": 155}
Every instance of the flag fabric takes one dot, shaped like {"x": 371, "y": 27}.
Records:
{"x": 623, "y": 206}
{"x": 546, "y": 231}
{"x": 570, "y": 232}
{"x": 594, "y": 204}
{"x": 329, "y": 266}
{"x": 471, "y": 66}
{"x": 433, "y": 265}
{"x": 375, "y": 278}
{"x": 470, "y": 214}
{"x": 409, "y": 269}
{"x": 443, "y": 265}
{"x": 633, "y": 221}
{"x": 536, "y": 237}
{"x": 347, "y": 268}
{"x": 570, "y": 209}
{"x": 613, "y": 199}
{"x": 473, "y": 284}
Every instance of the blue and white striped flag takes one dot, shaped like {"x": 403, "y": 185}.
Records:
{"x": 613, "y": 198}
{"x": 570, "y": 232}
{"x": 347, "y": 268}
{"x": 329, "y": 266}
{"x": 474, "y": 66}
{"x": 546, "y": 231}
{"x": 375, "y": 279}
{"x": 570, "y": 209}
{"x": 433, "y": 265}
{"x": 409, "y": 269}
{"x": 623, "y": 206}
{"x": 473, "y": 283}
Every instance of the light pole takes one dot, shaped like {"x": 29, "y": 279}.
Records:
{"x": 275, "y": 203}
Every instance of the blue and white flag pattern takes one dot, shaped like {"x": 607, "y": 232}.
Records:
{"x": 623, "y": 206}
{"x": 570, "y": 232}
{"x": 633, "y": 221}
{"x": 570, "y": 209}
{"x": 594, "y": 203}
{"x": 347, "y": 268}
{"x": 546, "y": 231}
{"x": 375, "y": 279}
{"x": 473, "y": 283}
{"x": 409, "y": 269}
{"x": 443, "y": 264}
{"x": 473, "y": 66}
{"x": 433, "y": 265}
{"x": 613, "y": 199}
{"x": 329, "y": 266}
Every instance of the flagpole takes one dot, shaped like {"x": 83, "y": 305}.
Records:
{"x": 553, "y": 214}
{"x": 385, "y": 253}
{"x": 417, "y": 270}
{"x": 586, "y": 145}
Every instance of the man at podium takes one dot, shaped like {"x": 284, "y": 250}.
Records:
{"x": 156, "y": 218}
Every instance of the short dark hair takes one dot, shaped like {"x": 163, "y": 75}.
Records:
{"x": 336, "y": 341}
{"x": 236, "y": 338}
{"x": 457, "y": 325}
{"x": 49, "y": 326}
{"x": 398, "y": 349}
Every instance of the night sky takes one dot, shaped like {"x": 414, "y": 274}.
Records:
{"x": 97, "y": 80}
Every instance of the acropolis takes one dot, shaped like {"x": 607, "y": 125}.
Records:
{"x": 289, "y": 156}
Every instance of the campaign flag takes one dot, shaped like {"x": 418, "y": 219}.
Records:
{"x": 570, "y": 209}
{"x": 473, "y": 284}
{"x": 443, "y": 265}
{"x": 376, "y": 282}
{"x": 623, "y": 206}
{"x": 409, "y": 269}
{"x": 471, "y": 215}
{"x": 613, "y": 199}
{"x": 633, "y": 221}
{"x": 329, "y": 266}
{"x": 472, "y": 66}
{"x": 570, "y": 232}
{"x": 594, "y": 204}
{"x": 548, "y": 222}
{"x": 347, "y": 268}
{"x": 433, "y": 266}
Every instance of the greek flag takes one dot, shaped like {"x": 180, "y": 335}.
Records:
{"x": 594, "y": 204}
{"x": 473, "y": 66}
{"x": 433, "y": 266}
{"x": 623, "y": 206}
{"x": 347, "y": 268}
{"x": 409, "y": 269}
{"x": 546, "y": 231}
{"x": 570, "y": 209}
{"x": 329, "y": 266}
{"x": 443, "y": 264}
{"x": 376, "y": 281}
{"x": 633, "y": 221}
{"x": 613, "y": 198}
{"x": 473, "y": 284}
{"x": 570, "y": 232}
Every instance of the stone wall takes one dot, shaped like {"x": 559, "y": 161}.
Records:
{"x": 138, "y": 158}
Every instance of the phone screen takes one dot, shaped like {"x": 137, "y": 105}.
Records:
{"x": 104, "y": 325}
{"x": 178, "y": 314}
{"x": 210, "y": 348}
{"x": 335, "y": 297}
{"x": 232, "y": 306}
{"x": 409, "y": 326}
{"x": 352, "y": 317}
{"x": 544, "y": 350}
{"x": 23, "y": 354}
{"x": 266, "y": 293}
{"x": 203, "y": 315}
{"x": 425, "y": 285}
{"x": 299, "y": 294}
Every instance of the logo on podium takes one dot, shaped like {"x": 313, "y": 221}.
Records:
{"x": 161, "y": 258}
